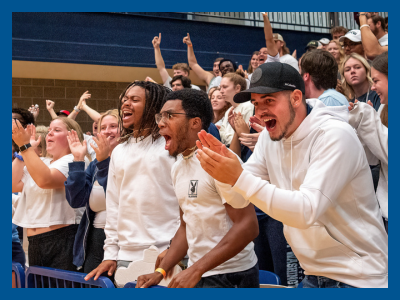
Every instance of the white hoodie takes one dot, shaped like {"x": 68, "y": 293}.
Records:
{"x": 322, "y": 191}
{"x": 374, "y": 135}
{"x": 142, "y": 209}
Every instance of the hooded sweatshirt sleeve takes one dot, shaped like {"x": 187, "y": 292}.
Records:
{"x": 331, "y": 167}
{"x": 111, "y": 247}
{"x": 367, "y": 122}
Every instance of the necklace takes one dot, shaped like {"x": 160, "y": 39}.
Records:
{"x": 193, "y": 151}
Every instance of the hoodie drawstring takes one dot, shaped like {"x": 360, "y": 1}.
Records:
{"x": 291, "y": 163}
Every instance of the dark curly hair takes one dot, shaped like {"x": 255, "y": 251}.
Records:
{"x": 26, "y": 115}
{"x": 155, "y": 99}
{"x": 195, "y": 103}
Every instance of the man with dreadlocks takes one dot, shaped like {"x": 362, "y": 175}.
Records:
{"x": 141, "y": 205}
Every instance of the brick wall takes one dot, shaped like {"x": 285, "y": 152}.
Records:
{"x": 65, "y": 94}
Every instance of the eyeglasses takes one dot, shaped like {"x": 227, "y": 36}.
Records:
{"x": 165, "y": 116}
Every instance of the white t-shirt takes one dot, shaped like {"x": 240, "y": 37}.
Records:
{"x": 207, "y": 221}
{"x": 89, "y": 140}
{"x": 38, "y": 207}
{"x": 286, "y": 59}
{"x": 214, "y": 82}
{"x": 226, "y": 131}
{"x": 384, "y": 41}
{"x": 97, "y": 203}
{"x": 166, "y": 84}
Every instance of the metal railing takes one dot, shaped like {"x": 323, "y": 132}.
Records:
{"x": 320, "y": 22}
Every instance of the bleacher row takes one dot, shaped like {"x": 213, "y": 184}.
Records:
{"x": 42, "y": 277}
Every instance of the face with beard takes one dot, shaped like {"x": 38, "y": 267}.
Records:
{"x": 277, "y": 112}
{"x": 174, "y": 127}
{"x": 226, "y": 67}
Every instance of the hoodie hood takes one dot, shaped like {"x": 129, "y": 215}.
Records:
{"x": 320, "y": 114}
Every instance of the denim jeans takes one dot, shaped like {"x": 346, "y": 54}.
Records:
{"x": 311, "y": 281}
{"x": 270, "y": 247}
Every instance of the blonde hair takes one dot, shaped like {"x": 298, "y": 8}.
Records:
{"x": 348, "y": 89}
{"x": 341, "y": 51}
{"x": 42, "y": 131}
{"x": 111, "y": 112}
{"x": 222, "y": 112}
{"x": 237, "y": 78}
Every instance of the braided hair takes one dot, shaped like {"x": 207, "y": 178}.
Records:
{"x": 155, "y": 99}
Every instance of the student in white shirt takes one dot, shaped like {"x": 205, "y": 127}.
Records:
{"x": 211, "y": 79}
{"x": 372, "y": 128}
{"x": 179, "y": 68}
{"x": 216, "y": 237}
{"x": 142, "y": 209}
{"x": 42, "y": 207}
{"x": 302, "y": 174}
{"x": 231, "y": 84}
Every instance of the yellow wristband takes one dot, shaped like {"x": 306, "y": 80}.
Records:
{"x": 162, "y": 271}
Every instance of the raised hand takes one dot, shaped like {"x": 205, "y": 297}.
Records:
{"x": 187, "y": 41}
{"x": 34, "y": 110}
{"x": 240, "y": 125}
{"x": 209, "y": 141}
{"x": 77, "y": 148}
{"x": 294, "y": 54}
{"x": 33, "y": 141}
{"x": 49, "y": 104}
{"x": 157, "y": 41}
{"x": 150, "y": 79}
{"x": 103, "y": 149}
{"x": 249, "y": 139}
{"x": 82, "y": 100}
{"x": 231, "y": 118}
{"x": 20, "y": 135}
{"x": 225, "y": 168}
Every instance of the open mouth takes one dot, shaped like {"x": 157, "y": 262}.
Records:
{"x": 168, "y": 140}
{"x": 126, "y": 115}
{"x": 270, "y": 124}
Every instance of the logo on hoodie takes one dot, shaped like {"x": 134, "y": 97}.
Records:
{"x": 193, "y": 185}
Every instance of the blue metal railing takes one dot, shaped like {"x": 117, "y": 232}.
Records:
{"x": 19, "y": 274}
{"x": 42, "y": 277}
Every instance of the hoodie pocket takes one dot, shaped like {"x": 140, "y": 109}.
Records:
{"x": 320, "y": 253}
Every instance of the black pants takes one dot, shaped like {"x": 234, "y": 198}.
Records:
{"x": 18, "y": 254}
{"x": 53, "y": 249}
{"x": 244, "y": 279}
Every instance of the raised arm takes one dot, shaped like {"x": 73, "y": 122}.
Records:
{"x": 17, "y": 173}
{"x": 74, "y": 113}
{"x": 44, "y": 177}
{"x": 50, "y": 108}
{"x": 200, "y": 72}
{"x": 269, "y": 37}
{"x": 94, "y": 115}
{"x": 371, "y": 45}
{"x": 159, "y": 60}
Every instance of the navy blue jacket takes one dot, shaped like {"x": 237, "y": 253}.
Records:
{"x": 78, "y": 188}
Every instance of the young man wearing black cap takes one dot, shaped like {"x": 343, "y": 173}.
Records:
{"x": 302, "y": 174}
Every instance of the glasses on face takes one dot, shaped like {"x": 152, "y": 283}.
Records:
{"x": 166, "y": 115}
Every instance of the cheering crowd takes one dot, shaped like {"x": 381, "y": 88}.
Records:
{"x": 286, "y": 153}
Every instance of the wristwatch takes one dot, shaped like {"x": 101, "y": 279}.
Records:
{"x": 25, "y": 147}
{"x": 76, "y": 109}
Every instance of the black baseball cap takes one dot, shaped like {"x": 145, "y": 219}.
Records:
{"x": 271, "y": 78}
